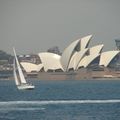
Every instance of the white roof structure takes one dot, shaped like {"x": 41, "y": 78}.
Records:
{"x": 85, "y": 41}
{"x": 72, "y": 63}
{"x": 94, "y": 52}
{"x": 76, "y": 58}
{"x": 87, "y": 60}
{"x": 50, "y": 61}
{"x": 29, "y": 67}
{"x": 70, "y": 50}
{"x": 107, "y": 57}
{"x": 67, "y": 54}
{"x": 96, "y": 49}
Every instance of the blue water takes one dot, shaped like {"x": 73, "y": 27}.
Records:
{"x": 61, "y": 100}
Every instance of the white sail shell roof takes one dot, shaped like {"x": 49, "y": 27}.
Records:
{"x": 94, "y": 52}
{"x": 85, "y": 41}
{"x": 87, "y": 60}
{"x": 67, "y": 54}
{"x": 50, "y": 61}
{"x": 29, "y": 67}
{"x": 72, "y": 63}
{"x": 96, "y": 49}
{"x": 76, "y": 58}
{"x": 107, "y": 57}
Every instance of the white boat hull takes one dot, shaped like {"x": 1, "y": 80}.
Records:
{"x": 25, "y": 87}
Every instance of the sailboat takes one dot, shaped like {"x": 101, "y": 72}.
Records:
{"x": 20, "y": 80}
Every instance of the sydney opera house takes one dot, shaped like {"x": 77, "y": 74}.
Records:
{"x": 77, "y": 61}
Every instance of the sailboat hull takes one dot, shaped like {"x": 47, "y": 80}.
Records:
{"x": 25, "y": 87}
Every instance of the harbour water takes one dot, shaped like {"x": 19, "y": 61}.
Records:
{"x": 61, "y": 100}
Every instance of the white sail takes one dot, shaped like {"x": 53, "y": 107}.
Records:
{"x": 15, "y": 75}
{"x": 22, "y": 78}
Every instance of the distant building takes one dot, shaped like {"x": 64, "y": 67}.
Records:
{"x": 117, "y": 44}
{"x": 30, "y": 58}
{"x": 54, "y": 49}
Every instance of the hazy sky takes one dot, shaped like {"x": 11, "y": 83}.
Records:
{"x": 33, "y": 26}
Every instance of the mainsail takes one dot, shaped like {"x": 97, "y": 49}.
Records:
{"x": 17, "y": 82}
{"x": 22, "y": 78}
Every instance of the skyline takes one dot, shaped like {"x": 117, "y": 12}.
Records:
{"x": 34, "y": 26}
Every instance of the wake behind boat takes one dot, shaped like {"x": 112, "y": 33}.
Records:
{"x": 20, "y": 80}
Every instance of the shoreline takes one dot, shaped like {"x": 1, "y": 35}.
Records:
{"x": 88, "y": 79}
{"x": 82, "y": 74}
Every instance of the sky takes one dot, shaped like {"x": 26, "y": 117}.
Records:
{"x": 33, "y": 26}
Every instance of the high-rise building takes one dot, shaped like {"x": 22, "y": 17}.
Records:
{"x": 117, "y": 44}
